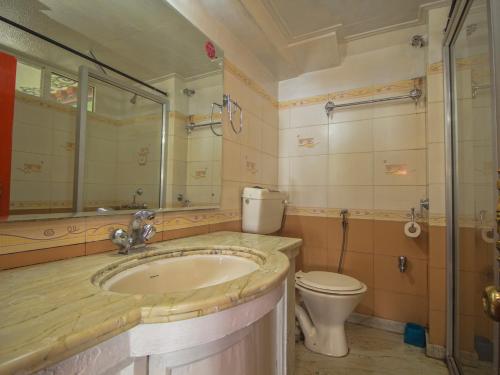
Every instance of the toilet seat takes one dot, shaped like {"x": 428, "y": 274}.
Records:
{"x": 329, "y": 283}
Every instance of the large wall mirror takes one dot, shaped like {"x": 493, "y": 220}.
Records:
{"x": 117, "y": 107}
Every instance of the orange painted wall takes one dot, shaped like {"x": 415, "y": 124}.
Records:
{"x": 7, "y": 91}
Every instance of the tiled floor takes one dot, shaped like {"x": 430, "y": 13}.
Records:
{"x": 372, "y": 351}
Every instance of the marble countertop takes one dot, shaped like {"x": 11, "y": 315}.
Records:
{"x": 52, "y": 311}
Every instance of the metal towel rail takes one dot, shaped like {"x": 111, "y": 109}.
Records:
{"x": 192, "y": 126}
{"x": 414, "y": 94}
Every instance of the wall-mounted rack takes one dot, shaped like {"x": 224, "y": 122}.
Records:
{"x": 414, "y": 94}
{"x": 232, "y": 107}
{"x": 192, "y": 126}
{"x": 476, "y": 88}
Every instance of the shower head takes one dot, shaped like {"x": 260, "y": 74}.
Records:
{"x": 188, "y": 92}
{"x": 133, "y": 100}
{"x": 418, "y": 41}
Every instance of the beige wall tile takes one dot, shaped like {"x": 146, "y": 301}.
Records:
{"x": 308, "y": 115}
{"x": 435, "y": 122}
{"x": 351, "y": 114}
{"x": 348, "y": 137}
{"x": 398, "y": 108}
{"x": 312, "y": 140}
{"x": 251, "y": 165}
{"x": 352, "y": 197}
{"x": 32, "y": 139}
{"x": 399, "y": 132}
{"x": 284, "y": 171}
{"x": 398, "y": 197}
{"x": 251, "y": 135}
{"x": 436, "y": 163}
{"x": 284, "y": 118}
{"x": 351, "y": 169}
{"x": 200, "y": 149}
{"x": 307, "y": 196}
{"x": 231, "y": 161}
{"x": 400, "y": 167}
{"x": 437, "y": 196}
{"x": 270, "y": 140}
{"x": 231, "y": 195}
{"x": 435, "y": 88}
{"x": 269, "y": 170}
{"x": 309, "y": 171}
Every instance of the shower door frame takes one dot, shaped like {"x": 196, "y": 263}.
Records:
{"x": 84, "y": 74}
{"x": 455, "y": 22}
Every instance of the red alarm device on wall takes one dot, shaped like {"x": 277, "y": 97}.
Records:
{"x": 210, "y": 50}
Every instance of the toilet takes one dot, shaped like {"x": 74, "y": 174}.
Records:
{"x": 329, "y": 298}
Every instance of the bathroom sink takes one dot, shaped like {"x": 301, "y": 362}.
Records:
{"x": 182, "y": 273}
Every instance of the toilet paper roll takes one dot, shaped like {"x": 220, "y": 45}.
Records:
{"x": 412, "y": 230}
{"x": 488, "y": 235}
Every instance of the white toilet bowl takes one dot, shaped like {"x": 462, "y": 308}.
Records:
{"x": 329, "y": 299}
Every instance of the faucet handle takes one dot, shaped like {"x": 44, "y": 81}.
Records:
{"x": 121, "y": 238}
{"x": 148, "y": 232}
{"x": 145, "y": 215}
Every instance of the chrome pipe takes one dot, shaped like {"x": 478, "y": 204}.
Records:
{"x": 414, "y": 94}
{"x": 195, "y": 126}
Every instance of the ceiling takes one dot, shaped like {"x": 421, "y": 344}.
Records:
{"x": 298, "y": 20}
{"x": 292, "y": 37}
{"x": 149, "y": 39}
{"x": 146, "y": 39}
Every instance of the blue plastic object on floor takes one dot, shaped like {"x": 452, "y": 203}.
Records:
{"x": 414, "y": 335}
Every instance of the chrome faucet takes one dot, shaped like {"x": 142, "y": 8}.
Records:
{"x": 138, "y": 232}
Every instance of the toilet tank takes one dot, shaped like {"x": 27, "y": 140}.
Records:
{"x": 262, "y": 210}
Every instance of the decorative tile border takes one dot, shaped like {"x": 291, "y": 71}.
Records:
{"x": 386, "y": 215}
{"x": 200, "y": 118}
{"x": 464, "y": 63}
{"x": 26, "y": 98}
{"x": 357, "y": 93}
{"x": 435, "y": 68}
{"x": 250, "y": 83}
{"x": 32, "y": 235}
{"x": 24, "y": 236}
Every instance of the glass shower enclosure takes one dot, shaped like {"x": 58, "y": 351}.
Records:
{"x": 471, "y": 63}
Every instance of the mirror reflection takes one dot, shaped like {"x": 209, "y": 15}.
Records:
{"x": 108, "y": 115}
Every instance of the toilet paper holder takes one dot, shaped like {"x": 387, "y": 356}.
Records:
{"x": 412, "y": 218}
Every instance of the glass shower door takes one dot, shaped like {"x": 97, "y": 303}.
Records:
{"x": 474, "y": 337}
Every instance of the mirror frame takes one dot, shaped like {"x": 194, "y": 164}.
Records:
{"x": 84, "y": 73}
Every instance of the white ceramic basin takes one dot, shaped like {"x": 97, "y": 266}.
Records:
{"x": 180, "y": 274}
